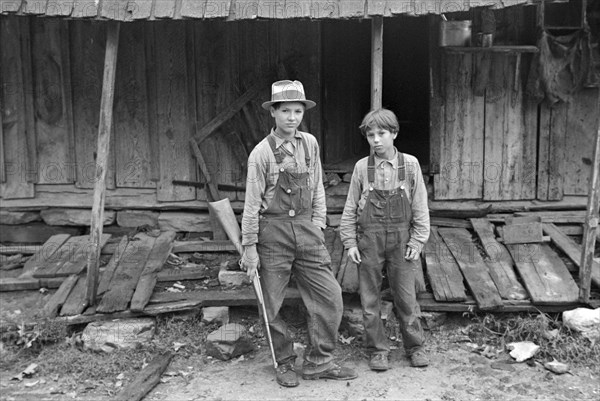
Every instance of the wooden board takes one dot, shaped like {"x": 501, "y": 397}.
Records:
{"x": 17, "y": 170}
{"x": 461, "y": 170}
{"x": 76, "y": 301}
{"x": 78, "y": 263}
{"x": 109, "y": 269}
{"x": 157, "y": 258}
{"x": 571, "y": 249}
{"x": 29, "y": 283}
{"x": 58, "y": 299}
{"x": 473, "y": 268}
{"x": 510, "y": 131}
{"x": 522, "y": 233}
{"x": 173, "y": 117}
{"x": 132, "y": 135}
{"x": 567, "y": 216}
{"x": 499, "y": 261}
{"x": 44, "y": 254}
{"x": 551, "y": 151}
{"x": 544, "y": 274}
{"x": 88, "y": 47}
{"x": 442, "y": 270}
{"x": 125, "y": 278}
{"x": 61, "y": 256}
{"x": 52, "y": 100}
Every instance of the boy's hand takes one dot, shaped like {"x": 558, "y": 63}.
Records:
{"x": 354, "y": 254}
{"x": 411, "y": 253}
{"x": 249, "y": 262}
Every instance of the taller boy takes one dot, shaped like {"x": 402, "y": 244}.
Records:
{"x": 386, "y": 223}
{"x": 284, "y": 215}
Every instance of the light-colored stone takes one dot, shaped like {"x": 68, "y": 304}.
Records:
{"x": 233, "y": 278}
{"x": 352, "y": 321}
{"x": 347, "y": 177}
{"x": 186, "y": 222}
{"x": 211, "y": 314}
{"x": 523, "y": 350}
{"x": 137, "y": 218}
{"x": 117, "y": 334}
{"x": 14, "y": 218}
{"x": 333, "y": 220}
{"x": 584, "y": 320}
{"x": 73, "y": 217}
{"x": 229, "y": 341}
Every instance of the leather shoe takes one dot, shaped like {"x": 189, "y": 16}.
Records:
{"x": 336, "y": 372}
{"x": 418, "y": 359}
{"x": 379, "y": 362}
{"x": 286, "y": 375}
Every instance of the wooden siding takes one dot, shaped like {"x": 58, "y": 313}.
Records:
{"x": 232, "y": 10}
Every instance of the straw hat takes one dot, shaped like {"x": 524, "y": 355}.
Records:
{"x": 288, "y": 91}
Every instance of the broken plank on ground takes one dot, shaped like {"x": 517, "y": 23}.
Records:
{"x": 500, "y": 262}
{"x": 444, "y": 274}
{"x": 157, "y": 258}
{"x": 240, "y": 296}
{"x": 44, "y": 253}
{"x": 567, "y": 216}
{"x": 77, "y": 300}
{"x": 146, "y": 379}
{"x": 571, "y": 249}
{"x": 186, "y": 273}
{"x": 29, "y": 283}
{"x": 58, "y": 299}
{"x": 79, "y": 262}
{"x": 64, "y": 253}
{"x": 544, "y": 274}
{"x": 111, "y": 266}
{"x": 127, "y": 274}
{"x": 474, "y": 269}
{"x": 203, "y": 246}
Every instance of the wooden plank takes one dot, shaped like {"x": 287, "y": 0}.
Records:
{"x": 58, "y": 299}
{"x": 61, "y": 256}
{"x": 442, "y": 270}
{"x": 571, "y": 249}
{"x": 132, "y": 135}
{"x": 544, "y": 274}
{"x": 52, "y": 87}
{"x": 203, "y": 246}
{"x": 44, "y": 254}
{"x": 152, "y": 91}
{"x": 376, "y": 61}
{"x": 237, "y": 297}
{"x": 499, "y": 261}
{"x": 78, "y": 262}
{"x": 461, "y": 169}
{"x": 2, "y": 162}
{"x": 140, "y": 9}
{"x": 77, "y": 300}
{"x": 473, "y": 267}
{"x": 88, "y": 51}
{"x": 557, "y": 146}
{"x": 146, "y": 379}
{"x": 188, "y": 273}
{"x": 543, "y": 153}
{"x": 436, "y": 100}
{"x": 567, "y": 216}
{"x": 510, "y": 132}
{"x": 175, "y": 160}
{"x": 125, "y": 278}
{"x": 164, "y": 8}
{"x": 449, "y": 222}
{"x": 29, "y": 283}
{"x": 32, "y": 159}
{"x": 59, "y": 8}
{"x": 110, "y": 268}
{"x": 522, "y": 233}
{"x": 193, "y": 8}
{"x": 17, "y": 169}
{"x": 157, "y": 258}
{"x": 103, "y": 147}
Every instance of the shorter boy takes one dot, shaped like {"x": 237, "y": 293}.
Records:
{"x": 386, "y": 223}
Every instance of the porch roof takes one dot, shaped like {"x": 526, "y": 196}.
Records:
{"x": 231, "y": 10}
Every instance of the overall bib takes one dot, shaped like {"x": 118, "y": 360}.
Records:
{"x": 383, "y": 233}
{"x": 289, "y": 241}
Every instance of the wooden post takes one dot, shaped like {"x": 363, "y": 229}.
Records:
{"x": 104, "y": 129}
{"x": 591, "y": 225}
{"x": 376, "y": 62}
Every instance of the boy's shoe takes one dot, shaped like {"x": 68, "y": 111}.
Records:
{"x": 336, "y": 372}
{"x": 418, "y": 359}
{"x": 379, "y": 362}
{"x": 286, "y": 375}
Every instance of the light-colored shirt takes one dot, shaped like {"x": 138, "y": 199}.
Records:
{"x": 386, "y": 177}
{"x": 263, "y": 173}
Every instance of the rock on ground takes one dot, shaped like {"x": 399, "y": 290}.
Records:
{"x": 229, "y": 341}
{"x": 122, "y": 334}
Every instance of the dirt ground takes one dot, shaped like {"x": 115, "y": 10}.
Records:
{"x": 457, "y": 372}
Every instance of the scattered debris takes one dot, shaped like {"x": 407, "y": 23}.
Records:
{"x": 557, "y": 367}
{"x": 346, "y": 340}
{"x": 29, "y": 371}
{"x": 522, "y": 351}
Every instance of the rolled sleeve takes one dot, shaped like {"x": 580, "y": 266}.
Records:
{"x": 255, "y": 189}
{"x": 348, "y": 223}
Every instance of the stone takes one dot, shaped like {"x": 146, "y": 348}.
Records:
{"x": 233, "y": 278}
{"x": 211, "y": 314}
{"x": 352, "y": 321}
{"x": 229, "y": 341}
{"x": 557, "y": 367}
{"x": 347, "y": 177}
{"x": 14, "y": 218}
{"x": 433, "y": 319}
{"x": 137, "y": 218}
{"x": 522, "y": 351}
{"x": 184, "y": 222}
{"x": 73, "y": 217}
{"x": 117, "y": 334}
{"x": 333, "y": 220}
{"x": 584, "y": 320}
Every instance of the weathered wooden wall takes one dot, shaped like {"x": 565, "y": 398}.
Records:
{"x": 173, "y": 77}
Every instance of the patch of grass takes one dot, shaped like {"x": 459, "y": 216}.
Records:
{"x": 556, "y": 341}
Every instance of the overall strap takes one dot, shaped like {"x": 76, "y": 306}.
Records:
{"x": 401, "y": 167}
{"x": 306, "y": 154}
{"x": 371, "y": 170}
{"x": 274, "y": 149}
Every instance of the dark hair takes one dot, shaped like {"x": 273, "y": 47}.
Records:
{"x": 380, "y": 118}
{"x": 277, "y": 105}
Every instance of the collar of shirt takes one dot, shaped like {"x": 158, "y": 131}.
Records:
{"x": 393, "y": 161}
{"x": 279, "y": 141}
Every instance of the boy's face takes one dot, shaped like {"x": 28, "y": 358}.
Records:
{"x": 380, "y": 140}
{"x": 288, "y": 116}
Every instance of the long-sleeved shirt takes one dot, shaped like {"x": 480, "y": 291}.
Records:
{"x": 386, "y": 177}
{"x": 263, "y": 173}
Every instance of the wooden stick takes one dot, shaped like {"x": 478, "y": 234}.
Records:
{"x": 104, "y": 128}
{"x": 376, "y": 62}
{"x": 146, "y": 379}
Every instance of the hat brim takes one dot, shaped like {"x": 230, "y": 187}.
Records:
{"x": 308, "y": 104}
